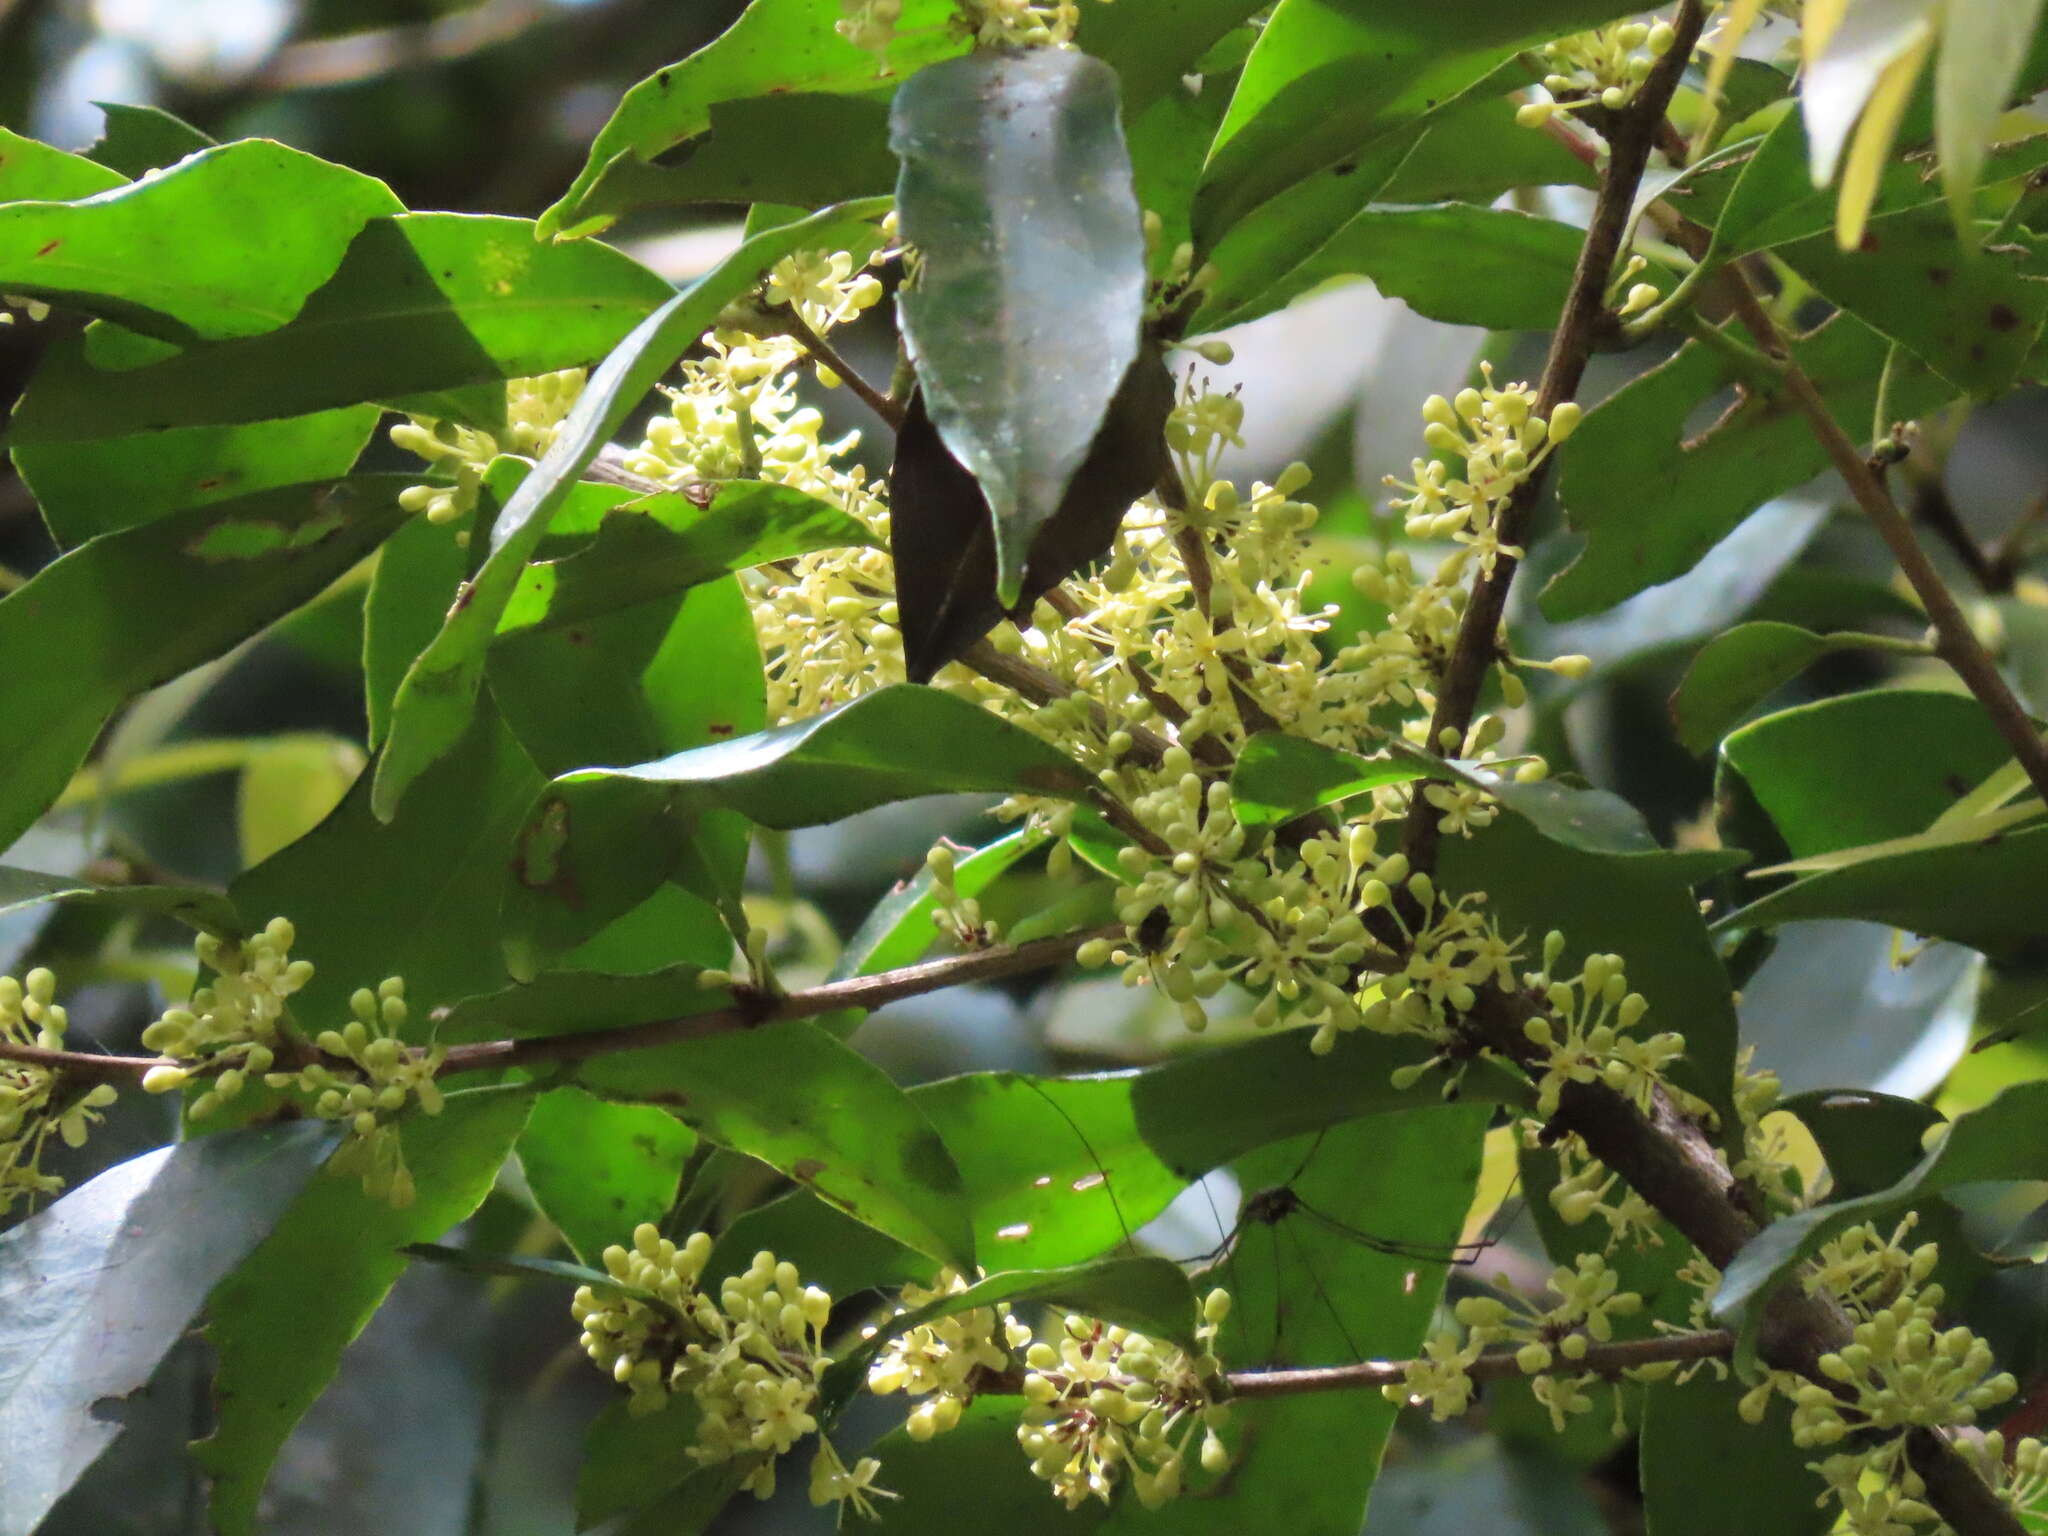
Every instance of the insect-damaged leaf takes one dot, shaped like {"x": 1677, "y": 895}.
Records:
{"x": 1016, "y": 190}
{"x": 942, "y": 532}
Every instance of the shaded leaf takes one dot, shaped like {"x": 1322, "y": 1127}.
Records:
{"x": 97, "y": 1288}
{"x": 1153, "y": 43}
{"x": 206, "y": 579}
{"x": 630, "y": 1460}
{"x": 1983, "y": 48}
{"x": 515, "y": 1266}
{"x": 1870, "y": 1140}
{"x": 435, "y": 700}
{"x": 1278, "y": 777}
{"x": 973, "y": 1477}
{"x": 228, "y": 243}
{"x": 140, "y": 138}
{"x": 1474, "y": 151}
{"x": 1693, "y": 1438}
{"x": 318, "y": 1277}
{"x": 1736, "y": 671}
{"x": 1637, "y": 449}
{"x": 776, "y": 47}
{"x": 418, "y": 570}
{"x": 206, "y": 910}
{"x": 1025, "y": 315}
{"x": 598, "y": 1170}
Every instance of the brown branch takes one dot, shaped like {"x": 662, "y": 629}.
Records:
{"x": 1580, "y": 328}
{"x": 358, "y": 56}
{"x": 823, "y": 351}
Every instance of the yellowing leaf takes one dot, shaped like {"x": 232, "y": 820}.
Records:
{"x": 1848, "y": 65}
{"x": 1873, "y": 143}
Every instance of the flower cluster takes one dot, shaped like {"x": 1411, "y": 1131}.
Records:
{"x": 534, "y": 411}
{"x": 1586, "y": 1036}
{"x": 1589, "y": 1298}
{"x": 958, "y": 917}
{"x": 1103, "y": 1401}
{"x": 1604, "y": 67}
{"x": 1019, "y": 23}
{"x": 751, "y": 1360}
{"x": 939, "y": 1362}
{"x": 1501, "y": 441}
{"x": 230, "y": 1026}
{"x": 35, "y": 1100}
{"x": 366, "y": 1078}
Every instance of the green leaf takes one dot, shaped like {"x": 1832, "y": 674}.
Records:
{"x": 411, "y": 897}
{"x": 418, "y": 570}
{"x": 420, "y": 302}
{"x": 228, "y": 243}
{"x": 1149, "y": 1295}
{"x": 1693, "y": 1440}
{"x": 630, "y": 1460}
{"x": 660, "y": 546}
{"x": 598, "y": 1170}
{"x": 1307, "y": 1292}
{"x": 2005, "y": 1140}
{"x": 1494, "y": 267}
{"x": 973, "y": 1477}
{"x": 516, "y": 1266}
{"x": 899, "y": 929}
{"x": 1870, "y": 1140}
{"x": 1475, "y": 150}
{"x": 829, "y": 1247}
{"x": 319, "y": 1276}
{"x": 1983, "y": 47}
{"x": 1025, "y": 315}
{"x": 1279, "y": 777}
{"x": 1972, "y": 316}
{"x": 1329, "y": 77}
{"x": 134, "y": 609}
{"x": 435, "y": 700}
{"x": 97, "y": 1288}
{"x": 821, "y": 1114}
{"x": 1151, "y": 44}
{"x": 193, "y": 905}
{"x": 599, "y": 839}
{"x": 288, "y": 786}
{"x": 1637, "y": 449}
{"x": 776, "y": 47}
{"x": 139, "y": 139}
{"x": 90, "y": 477}
{"x": 1736, "y": 671}
{"x": 1833, "y": 774}
{"x": 32, "y": 170}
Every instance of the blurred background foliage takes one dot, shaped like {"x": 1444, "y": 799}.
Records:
{"x": 461, "y": 1409}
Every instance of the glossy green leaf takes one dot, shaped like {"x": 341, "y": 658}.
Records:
{"x": 1492, "y": 267}
{"x": 317, "y": 1278}
{"x": 207, "y": 579}
{"x": 418, "y": 570}
{"x": 98, "y": 1287}
{"x": 823, "y": 1115}
{"x": 435, "y": 700}
{"x": 1832, "y": 774}
{"x": 874, "y": 751}
{"x": 1306, "y": 1292}
{"x": 1278, "y": 777}
{"x": 1971, "y": 316}
{"x": 828, "y": 1246}
{"x": 1707, "y": 1470}
{"x": 138, "y": 138}
{"x": 1870, "y": 1140}
{"x": 33, "y": 170}
{"x": 228, "y": 243}
{"x": 598, "y": 1170}
{"x": 1638, "y": 448}
{"x": 193, "y": 905}
{"x": 2005, "y": 1140}
{"x": 1740, "y": 668}
{"x": 1025, "y": 315}
{"x": 1474, "y": 151}
{"x": 420, "y": 302}
{"x": 660, "y": 546}
{"x": 1328, "y": 77}
{"x": 776, "y": 47}
{"x": 630, "y": 1460}
{"x": 516, "y": 1266}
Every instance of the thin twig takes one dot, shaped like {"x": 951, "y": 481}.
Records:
{"x": 1601, "y": 1359}
{"x": 823, "y": 351}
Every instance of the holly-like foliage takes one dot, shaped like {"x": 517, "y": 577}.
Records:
{"x": 1314, "y": 806}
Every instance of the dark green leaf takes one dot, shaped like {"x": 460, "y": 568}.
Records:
{"x": 1331, "y": 76}
{"x": 1870, "y": 1140}
{"x": 973, "y": 1477}
{"x": 1706, "y": 1470}
{"x": 317, "y": 1278}
{"x": 32, "y": 170}
{"x": 418, "y": 570}
{"x": 1475, "y": 151}
{"x": 1453, "y": 262}
{"x": 513, "y": 1266}
{"x": 1151, "y": 44}
{"x": 1736, "y": 671}
{"x": 1638, "y": 448}
{"x": 1834, "y": 775}
{"x": 1970, "y": 315}
{"x": 2005, "y": 1140}
{"x": 1025, "y": 315}
{"x": 96, "y": 1289}
{"x": 229, "y": 243}
{"x": 1278, "y": 777}
{"x": 138, "y": 139}
{"x": 435, "y": 700}
{"x": 420, "y": 302}
{"x": 200, "y": 908}
{"x": 598, "y": 1170}
{"x": 776, "y": 47}
{"x": 663, "y": 545}
{"x": 829, "y": 1247}
{"x": 630, "y": 1460}
{"x": 572, "y": 1002}
{"x": 821, "y": 1114}
{"x": 136, "y": 608}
